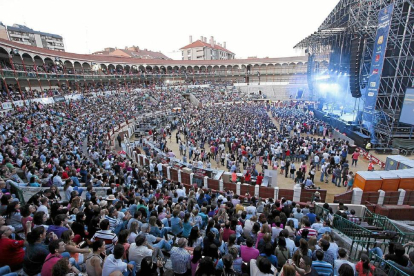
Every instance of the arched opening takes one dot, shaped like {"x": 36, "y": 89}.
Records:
{"x": 4, "y": 58}
{"x": 111, "y": 69}
{"x": 28, "y": 62}
{"x": 148, "y": 69}
{"x": 127, "y": 69}
{"x": 17, "y": 62}
{"x": 87, "y": 68}
{"x": 163, "y": 70}
{"x": 134, "y": 69}
{"x": 49, "y": 65}
{"x": 68, "y": 66}
{"x": 104, "y": 69}
{"x": 78, "y": 68}
{"x": 119, "y": 69}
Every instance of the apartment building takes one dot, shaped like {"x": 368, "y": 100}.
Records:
{"x": 201, "y": 50}
{"x": 25, "y": 35}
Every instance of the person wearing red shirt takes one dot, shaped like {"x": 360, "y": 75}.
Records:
{"x": 247, "y": 177}
{"x": 355, "y": 157}
{"x": 11, "y": 252}
{"x": 248, "y": 252}
{"x": 56, "y": 247}
{"x": 259, "y": 179}
{"x": 227, "y": 232}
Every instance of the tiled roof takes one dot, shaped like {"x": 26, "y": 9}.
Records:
{"x": 145, "y": 54}
{"x": 199, "y": 43}
{"x": 126, "y": 60}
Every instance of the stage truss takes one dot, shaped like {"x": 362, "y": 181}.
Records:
{"x": 358, "y": 18}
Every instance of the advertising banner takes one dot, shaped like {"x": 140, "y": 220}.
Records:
{"x": 377, "y": 63}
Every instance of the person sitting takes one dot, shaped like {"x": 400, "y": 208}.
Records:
{"x": 308, "y": 184}
{"x": 114, "y": 263}
{"x": 248, "y": 252}
{"x": 56, "y": 248}
{"x": 94, "y": 260}
{"x": 58, "y": 228}
{"x": 10, "y": 247}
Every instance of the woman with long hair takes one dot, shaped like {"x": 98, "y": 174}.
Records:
{"x": 290, "y": 227}
{"x": 206, "y": 267}
{"x": 288, "y": 270}
{"x": 281, "y": 252}
{"x": 149, "y": 268}
{"x": 26, "y": 212}
{"x": 304, "y": 248}
{"x": 123, "y": 239}
{"x": 195, "y": 259}
{"x": 133, "y": 232}
{"x": 363, "y": 267}
{"x": 72, "y": 248}
{"x": 13, "y": 216}
{"x": 346, "y": 270}
{"x": 78, "y": 226}
{"x": 187, "y": 226}
{"x": 195, "y": 239}
{"x": 36, "y": 251}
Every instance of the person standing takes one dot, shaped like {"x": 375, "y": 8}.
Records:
{"x": 119, "y": 140}
{"x": 355, "y": 157}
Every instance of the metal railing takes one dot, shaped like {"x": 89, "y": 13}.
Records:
{"x": 386, "y": 266}
{"x": 363, "y": 239}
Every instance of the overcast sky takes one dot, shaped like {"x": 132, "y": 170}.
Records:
{"x": 262, "y": 28}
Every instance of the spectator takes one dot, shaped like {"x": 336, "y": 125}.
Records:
{"x": 114, "y": 263}
{"x": 322, "y": 267}
{"x": 363, "y": 267}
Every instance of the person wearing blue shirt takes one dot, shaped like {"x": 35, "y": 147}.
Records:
{"x": 311, "y": 216}
{"x": 324, "y": 229}
{"x": 268, "y": 253}
{"x": 295, "y": 222}
{"x": 176, "y": 224}
{"x": 75, "y": 181}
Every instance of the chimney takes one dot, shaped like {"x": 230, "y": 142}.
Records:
{"x": 205, "y": 39}
{"x": 201, "y": 38}
{"x": 191, "y": 39}
{"x": 212, "y": 41}
{"x": 224, "y": 45}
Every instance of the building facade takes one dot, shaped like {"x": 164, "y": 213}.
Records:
{"x": 201, "y": 50}
{"x": 25, "y": 67}
{"x": 25, "y": 35}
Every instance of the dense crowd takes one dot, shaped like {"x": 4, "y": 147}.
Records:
{"x": 243, "y": 138}
{"x": 147, "y": 224}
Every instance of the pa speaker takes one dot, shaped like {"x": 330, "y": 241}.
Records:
{"x": 357, "y": 46}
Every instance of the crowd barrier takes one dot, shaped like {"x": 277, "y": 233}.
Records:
{"x": 25, "y": 193}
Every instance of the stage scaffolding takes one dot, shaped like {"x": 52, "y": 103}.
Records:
{"x": 359, "y": 18}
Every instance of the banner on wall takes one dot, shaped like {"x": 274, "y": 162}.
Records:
{"x": 377, "y": 64}
{"x": 59, "y": 99}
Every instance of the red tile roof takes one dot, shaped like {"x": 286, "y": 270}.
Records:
{"x": 126, "y": 60}
{"x": 199, "y": 43}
